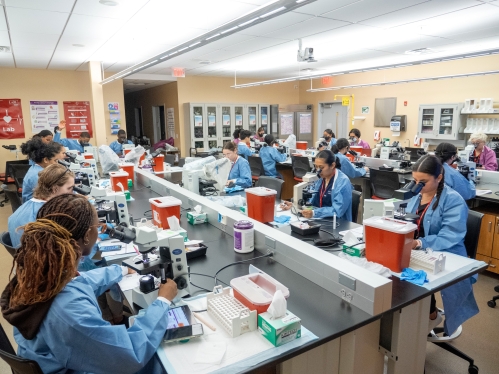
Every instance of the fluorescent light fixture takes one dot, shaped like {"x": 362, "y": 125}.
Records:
{"x": 192, "y": 45}
{"x": 480, "y": 54}
{"x": 183, "y": 49}
{"x": 300, "y": 1}
{"x": 248, "y": 22}
{"x": 172, "y": 53}
{"x": 272, "y": 12}
{"x": 162, "y": 58}
{"x": 228, "y": 30}
{"x": 213, "y": 36}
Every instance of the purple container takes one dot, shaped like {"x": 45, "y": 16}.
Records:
{"x": 244, "y": 237}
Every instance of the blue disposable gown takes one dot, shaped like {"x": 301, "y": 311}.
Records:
{"x": 332, "y": 142}
{"x": 117, "y": 147}
{"x": 71, "y": 144}
{"x": 270, "y": 156}
{"x": 30, "y": 181}
{"x": 337, "y": 199}
{"x": 348, "y": 168}
{"x": 26, "y": 213}
{"x": 455, "y": 180}
{"x": 74, "y": 338}
{"x": 244, "y": 150}
{"x": 445, "y": 229}
{"x": 241, "y": 172}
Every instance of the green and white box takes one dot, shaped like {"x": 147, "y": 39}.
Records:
{"x": 357, "y": 250}
{"x": 196, "y": 218}
{"x": 279, "y": 331}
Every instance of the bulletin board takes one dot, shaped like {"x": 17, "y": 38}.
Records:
{"x": 11, "y": 119}
{"x": 78, "y": 118}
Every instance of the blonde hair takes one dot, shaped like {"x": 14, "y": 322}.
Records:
{"x": 54, "y": 175}
{"x": 479, "y": 136}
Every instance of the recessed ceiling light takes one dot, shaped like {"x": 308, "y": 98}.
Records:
{"x": 419, "y": 51}
{"x": 4, "y": 49}
{"x": 205, "y": 62}
{"x": 78, "y": 45}
{"x": 109, "y": 2}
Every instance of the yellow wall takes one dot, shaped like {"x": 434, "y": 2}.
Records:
{"x": 58, "y": 85}
{"x": 439, "y": 91}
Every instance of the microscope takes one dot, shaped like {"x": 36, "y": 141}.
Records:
{"x": 79, "y": 164}
{"x": 406, "y": 193}
{"x": 171, "y": 262}
{"x": 111, "y": 205}
{"x": 467, "y": 168}
{"x": 302, "y": 192}
{"x": 206, "y": 178}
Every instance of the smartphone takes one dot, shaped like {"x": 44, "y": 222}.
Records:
{"x": 184, "y": 332}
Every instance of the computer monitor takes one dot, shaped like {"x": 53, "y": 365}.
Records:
{"x": 414, "y": 153}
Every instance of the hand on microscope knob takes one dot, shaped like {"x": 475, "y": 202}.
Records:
{"x": 168, "y": 290}
{"x": 286, "y": 205}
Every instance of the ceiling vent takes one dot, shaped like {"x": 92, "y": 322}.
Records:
{"x": 420, "y": 51}
{"x": 4, "y": 49}
{"x": 205, "y": 62}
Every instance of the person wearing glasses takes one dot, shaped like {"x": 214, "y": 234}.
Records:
{"x": 240, "y": 172}
{"x": 356, "y": 141}
{"x": 53, "y": 181}
{"x": 117, "y": 145}
{"x": 333, "y": 190}
{"x": 43, "y": 154}
{"x": 483, "y": 156}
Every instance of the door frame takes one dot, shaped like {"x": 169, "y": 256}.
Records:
{"x": 157, "y": 121}
{"x": 319, "y": 118}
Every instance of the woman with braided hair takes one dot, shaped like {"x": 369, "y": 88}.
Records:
{"x": 447, "y": 153}
{"x": 442, "y": 227}
{"x": 54, "y": 311}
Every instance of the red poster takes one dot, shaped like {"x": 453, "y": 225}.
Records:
{"x": 11, "y": 119}
{"x": 78, "y": 118}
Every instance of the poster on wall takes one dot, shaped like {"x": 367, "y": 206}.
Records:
{"x": 78, "y": 118}
{"x": 44, "y": 115}
{"x": 170, "y": 122}
{"x": 11, "y": 119}
{"x": 286, "y": 124}
{"x": 114, "y": 117}
{"x": 305, "y": 123}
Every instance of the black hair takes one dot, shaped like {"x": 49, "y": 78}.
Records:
{"x": 85, "y": 134}
{"x": 340, "y": 144}
{"x": 120, "y": 132}
{"x": 37, "y": 150}
{"x": 329, "y": 158}
{"x": 236, "y": 133}
{"x": 445, "y": 151}
{"x": 430, "y": 164}
{"x": 330, "y": 132}
{"x": 244, "y": 134}
{"x": 269, "y": 139}
{"x": 356, "y": 132}
{"x": 44, "y": 133}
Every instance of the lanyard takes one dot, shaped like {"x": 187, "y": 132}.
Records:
{"x": 422, "y": 215}
{"x": 233, "y": 164}
{"x": 323, "y": 189}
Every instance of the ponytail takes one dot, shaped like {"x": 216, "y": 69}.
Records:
{"x": 432, "y": 165}
{"x": 439, "y": 189}
{"x": 329, "y": 158}
{"x": 340, "y": 144}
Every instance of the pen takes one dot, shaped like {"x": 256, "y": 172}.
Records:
{"x": 202, "y": 320}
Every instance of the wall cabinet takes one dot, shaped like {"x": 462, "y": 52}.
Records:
{"x": 441, "y": 121}
{"x": 212, "y": 125}
{"x": 488, "y": 243}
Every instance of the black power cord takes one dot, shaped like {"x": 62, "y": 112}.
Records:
{"x": 240, "y": 262}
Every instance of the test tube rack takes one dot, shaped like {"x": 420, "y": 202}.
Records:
{"x": 430, "y": 262}
{"x": 234, "y": 317}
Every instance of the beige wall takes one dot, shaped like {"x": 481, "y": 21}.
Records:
{"x": 113, "y": 92}
{"x": 439, "y": 91}
{"x": 57, "y": 85}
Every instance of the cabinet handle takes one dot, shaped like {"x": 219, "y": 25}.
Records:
{"x": 492, "y": 266}
{"x": 490, "y": 225}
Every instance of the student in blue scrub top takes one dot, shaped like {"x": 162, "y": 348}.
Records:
{"x": 240, "y": 173}
{"x": 333, "y": 190}
{"x": 53, "y": 181}
{"x": 65, "y": 331}
{"x": 46, "y": 136}
{"x": 270, "y": 155}
{"x": 43, "y": 155}
{"x": 72, "y": 144}
{"x": 447, "y": 153}
{"x": 243, "y": 147}
{"x": 341, "y": 147}
{"x": 117, "y": 145}
{"x": 442, "y": 227}
{"x": 329, "y": 137}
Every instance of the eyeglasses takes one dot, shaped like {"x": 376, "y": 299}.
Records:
{"x": 102, "y": 225}
{"x": 65, "y": 171}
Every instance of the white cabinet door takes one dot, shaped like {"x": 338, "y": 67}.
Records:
{"x": 197, "y": 115}
{"x": 427, "y": 119}
{"x": 264, "y": 117}
{"x": 446, "y": 121}
{"x": 212, "y": 133}
{"x": 226, "y": 123}
{"x": 252, "y": 118}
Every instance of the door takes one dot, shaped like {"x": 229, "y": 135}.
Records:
{"x": 162, "y": 122}
{"x": 264, "y": 117}
{"x": 447, "y": 118}
{"x": 495, "y": 244}
{"x": 211, "y": 120}
{"x": 239, "y": 117}
{"x": 427, "y": 119}
{"x": 139, "y": 129}
{"x": 227, "y": 123}
{"x": 197, "y": 126}
{"x": 158, "y": 123}
{"x": 486, "y": 235}
{"x": 333, "y": 116}
{"x": 252, "y": 118}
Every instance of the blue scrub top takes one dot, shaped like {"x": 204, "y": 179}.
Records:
{"x": 26, "y": 213}
{"x": 243, "y": 150}
{"x": 71, "y": 144}
{"x": 337, "y": 198}
{"x": 117, "y": 147}
{"x": 241, "y": 172}
{"x": 270, "y": 156}
{"x": 455, "y": 180}
{"x": 348, "y": 168}
{"x": 30, "y": 181}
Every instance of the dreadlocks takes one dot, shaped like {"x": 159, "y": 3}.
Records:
{"x": 49, "y": 252}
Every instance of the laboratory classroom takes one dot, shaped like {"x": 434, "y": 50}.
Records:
{"x": 403, "y": 73}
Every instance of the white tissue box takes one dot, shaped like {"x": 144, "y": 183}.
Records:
{"x": 196, "y": 218}
{"x": 279, "y": 331}
{"x": 357, "y": 250}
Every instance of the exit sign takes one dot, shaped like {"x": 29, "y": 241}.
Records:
{"x": 326, "y": 81}
{"x": 178, "y": 72}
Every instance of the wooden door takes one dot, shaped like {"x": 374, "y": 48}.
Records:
{"x": 486, "y": 235}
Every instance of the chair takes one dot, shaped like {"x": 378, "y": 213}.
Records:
{"x": 170, "y": 159}
{"x": 17, "y": 364}
{"x": 12, "y": 196}
{"x": 470, "y": 242}
{"x": 492, "y": 302}
{"x": 355, "y": 204}
{"x": 18, "y": 172}
{"x": 256, "y": 166}
{"x": 272, "y": 183}
{"x": 7, "y": 243}
{"x": 181, "y": 162}
{"x": 6, "y": 178}
{"x": 383, "y": 183}
{"x": 301, "y": 166}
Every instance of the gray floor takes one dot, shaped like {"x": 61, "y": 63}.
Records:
{"x": 480, "y": 336}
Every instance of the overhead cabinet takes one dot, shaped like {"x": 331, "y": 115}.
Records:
{"x": 441, "y": 121}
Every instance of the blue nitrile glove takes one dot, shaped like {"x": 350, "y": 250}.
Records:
{"x": 233, "y": 189}
{"x": 417, "y": 277}
{"x": 105, "y": 236}
{"x": 282, "y": 219}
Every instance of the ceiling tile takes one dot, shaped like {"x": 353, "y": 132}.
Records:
{"x": 220, "y": 55}
{"x": 63, "y": 65}
{"x": 36, "y": 21}
{"x": 125, "y": 9}
{"x": 277, "y": 23}
{"x": 32, "y": 64}
{"x": 90, "y": 44}
{"x": 32, "y": 54}
{"x": 476, "y": 34}
{"x": 33, "y": 40}
{"x": 423, "y": 42}
{"x": 4, "y": 38}
{"x": 306, "y": 28}
{"x": 94, "y": 27}
{"x": 323, "y": 6}
{"x": 63, "y": 6}
{"x": 3, "y": 24}
{"x": 255, "y": 44}
{"x": 231, "y": 40}
{"x": 6, "y": 60}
